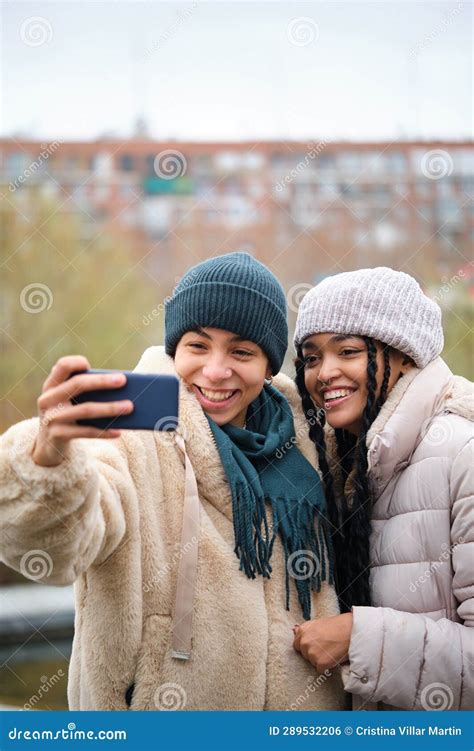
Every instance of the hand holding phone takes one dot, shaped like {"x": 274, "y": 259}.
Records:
{"x": 58, "y": 415}
{"x": 154, "y": 398}
{"x": 66, "y": 410}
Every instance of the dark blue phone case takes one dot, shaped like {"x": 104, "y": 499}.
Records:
{"x": 155, "y": 398}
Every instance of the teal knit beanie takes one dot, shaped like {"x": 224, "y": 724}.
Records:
{"x": 233, "y": 292}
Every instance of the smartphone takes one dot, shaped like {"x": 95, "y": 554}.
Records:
{"x": 155, "y": 399}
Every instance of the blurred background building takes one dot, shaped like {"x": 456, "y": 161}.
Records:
{"x": 334, "y": 206}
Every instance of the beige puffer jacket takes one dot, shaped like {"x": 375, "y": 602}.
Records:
{"x": 414, "y": 649}
{"x": 109, "y": 519}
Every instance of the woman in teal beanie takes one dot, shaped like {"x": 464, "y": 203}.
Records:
{"x": 183, "y": 550}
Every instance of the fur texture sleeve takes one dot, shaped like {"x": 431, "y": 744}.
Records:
{"x": 55, "y": 522}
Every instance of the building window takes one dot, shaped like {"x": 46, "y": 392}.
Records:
{"x": 350, "y": 161}
{"x": 445, "y": 188}
{"x": 328, "y": 189}
{"x": 228, "y": 161}
{"x": 71, "y": 161}
{"x": 466, "y": 184}
{"x": 128, "y": 191}
{"x": 326, "y": 161}
{"x": 426, "y": 211}
{"x": 126, "y": 162}
{"x": 375, "y": 162}
{"x": 401, "y": 189}
{"x": 16, "y": 163}
{"x": 448, "y": 214}
{"x": 397, "y": 162}
{"x": 424, "y": 188}
{"x": 463, "y": 161}
{"x": 150, "y": 164}
{"x": 253, "y": 160}
{"x": 400, "y": 213}
{"x": 102, "y": 164}
{"x": 203, "y": 165}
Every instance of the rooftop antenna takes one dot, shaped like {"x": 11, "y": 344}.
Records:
{"x": 139, "y": 81}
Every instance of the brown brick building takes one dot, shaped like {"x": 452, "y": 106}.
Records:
{"x": 304, "y": 208}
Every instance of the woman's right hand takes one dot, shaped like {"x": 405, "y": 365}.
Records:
{"x": 58, "y": 415}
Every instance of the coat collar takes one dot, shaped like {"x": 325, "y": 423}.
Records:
{"x": 403, "y": 420}
{"x": 195, "y": 430}
{"x": 200, "y": 445}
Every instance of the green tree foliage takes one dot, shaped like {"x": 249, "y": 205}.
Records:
{"x": 63, "y": 295}
{"x": 458, "y": 320}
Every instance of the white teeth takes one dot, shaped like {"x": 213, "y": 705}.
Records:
{"x": 336, "y": 394}
{"x": 217, "y": 396}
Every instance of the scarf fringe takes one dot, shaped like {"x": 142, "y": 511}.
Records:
{"x": 305, "y": 544}
{"x": 306, "y": 550}
{"x": 293, "y": 489}
{"x": 251, "y": 546}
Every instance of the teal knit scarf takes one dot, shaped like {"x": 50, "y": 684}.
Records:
{"x": 263, "y": 463}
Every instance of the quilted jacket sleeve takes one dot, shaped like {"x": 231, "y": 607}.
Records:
{"x": 55, "y": 522}
{"x": 411, "y": 661}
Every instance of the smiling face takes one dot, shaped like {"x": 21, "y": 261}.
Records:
{"x": 336, "y": 376}
{"x": 225, "y": 372}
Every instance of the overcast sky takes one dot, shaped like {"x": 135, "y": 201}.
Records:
{"x": 237, "y": 70}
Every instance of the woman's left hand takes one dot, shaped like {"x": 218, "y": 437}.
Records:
{"x": 325, "y": 642}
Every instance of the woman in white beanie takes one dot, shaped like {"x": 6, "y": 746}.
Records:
{"x": 395, "y": 447}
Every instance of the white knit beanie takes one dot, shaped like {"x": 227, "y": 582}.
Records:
{"x": 381, "y": 303}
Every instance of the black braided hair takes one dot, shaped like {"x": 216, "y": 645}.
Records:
{"x": 346, "y": 443}
{"x": 351, "y": 524}
{"x": 316, "y": 422}
{"x": 386, "y": 377}
{"x": 356, "y": 525}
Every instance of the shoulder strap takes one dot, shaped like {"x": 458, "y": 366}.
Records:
{"x": 182, "y": 628}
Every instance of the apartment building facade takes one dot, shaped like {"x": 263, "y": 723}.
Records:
{"x": 298, "y": 206}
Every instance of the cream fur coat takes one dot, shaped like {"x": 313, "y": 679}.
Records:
{"x": 109, "y": 518}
